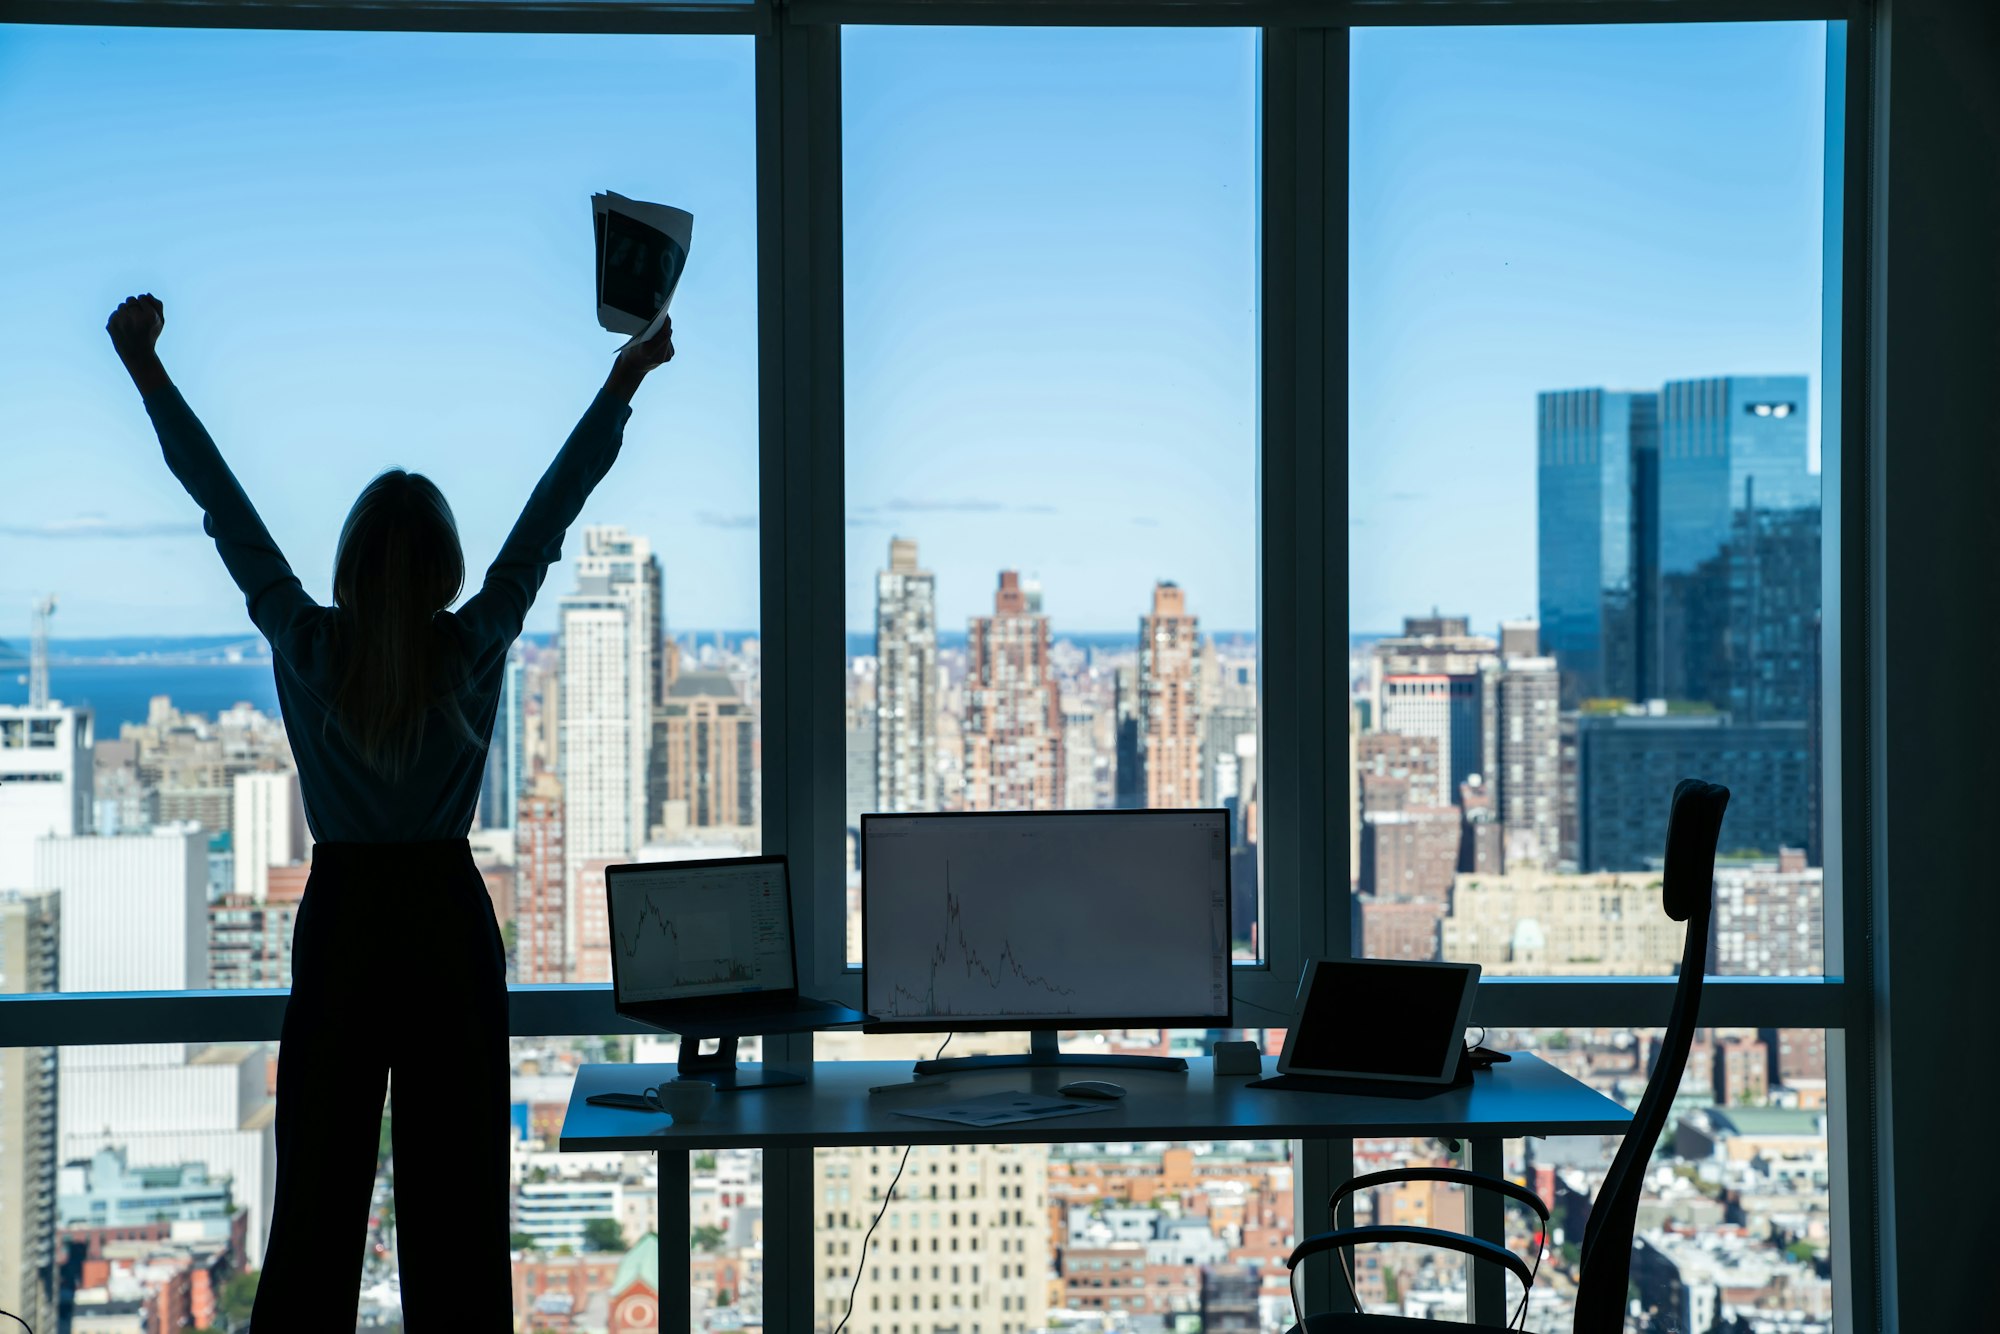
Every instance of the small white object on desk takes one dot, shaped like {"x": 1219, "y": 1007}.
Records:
{"x": 686, "y": 1100}
{"x": 1238, "y": 1058}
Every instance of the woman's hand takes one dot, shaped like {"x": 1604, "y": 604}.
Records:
{"x": 135, "y": 332}
{"x": 637, "y": 359}
{"x": 135, "y": 326}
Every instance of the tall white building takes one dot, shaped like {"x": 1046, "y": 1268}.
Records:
{"x": 46, "y": 783}
{"x": 268, "y": 828}
{"x": 906, "y": 704}
{"x": 134, "y": 908}
{"x": 135, "y": 918}
{"x": 613, "y": 674}
{"x": 29, "y": 928}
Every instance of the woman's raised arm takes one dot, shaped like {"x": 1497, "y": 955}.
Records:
{"x": 278, "y": 606}
{"x": 492, "y": 617}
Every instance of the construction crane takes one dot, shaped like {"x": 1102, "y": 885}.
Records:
{"x": 38, "y": 654}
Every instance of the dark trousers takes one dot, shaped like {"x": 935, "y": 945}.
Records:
{"x": 398, "y": 979}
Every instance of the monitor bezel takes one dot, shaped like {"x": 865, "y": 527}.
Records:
{"x": 1448, "y": 1059}
{"x": 651, "y": 1009}
{"x": 1052, "y": 1022}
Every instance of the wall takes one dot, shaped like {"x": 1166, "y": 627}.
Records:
{"x": 1938, "y": 337}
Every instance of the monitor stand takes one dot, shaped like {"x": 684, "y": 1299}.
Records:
{"x": 1042, "y": 1054}
{"x": 720, "y": 1069}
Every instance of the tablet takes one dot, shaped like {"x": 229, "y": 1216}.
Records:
{"x": 1377, "y": 1019}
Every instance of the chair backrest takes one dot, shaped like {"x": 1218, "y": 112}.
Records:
{"x": 1694, "y": 825}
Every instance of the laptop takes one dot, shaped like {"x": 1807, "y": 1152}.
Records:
{"x": 705, "y": 949}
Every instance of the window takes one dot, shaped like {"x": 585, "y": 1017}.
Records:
{"x": 419, "y": 200}
{"x": 1583, "y": 299}
{"x": 1051, "y": 424}
{"x": 1585, "y": 531}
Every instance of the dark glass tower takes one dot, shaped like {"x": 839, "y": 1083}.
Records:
{"x": 1739, "y": 536}
{"x": 1594, "y": 452}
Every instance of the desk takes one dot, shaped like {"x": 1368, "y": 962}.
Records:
{"x": 1525, "y": 1097}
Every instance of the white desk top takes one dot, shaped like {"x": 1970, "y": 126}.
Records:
{"x": 1525, "y": 1096}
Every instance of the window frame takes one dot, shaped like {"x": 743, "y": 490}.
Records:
{"x": 1303, "y": 145}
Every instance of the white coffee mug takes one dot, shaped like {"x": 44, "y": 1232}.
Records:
{"x": 686, "y": 1100}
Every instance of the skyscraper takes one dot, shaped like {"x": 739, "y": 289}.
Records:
{"x": 505, "y": 779}
{"x": 1745, "y": 622}
{"x": 46, "y": 779}
{"x": 612, "y": 677}
{"x": 1727, "y": 444}
{"x": 1593, "y": 459}
{"x": 1169, "y": 708}
{"x": 1428, "y": 682}
{"x": 1128, "y": 777}
{"x": 590, "y": 956}
{"x": 29, "y": 949}
{"x": 1229, "y": 714}
{"x": 906, "y": 683}
{"x": 1739, "y": 538}
{"x": 1013, "y": 706}
{"x": 704, "y": 766}
{"x": 541, "y": 922}
{"x": 1628, "y": 765}
{"x": 267, "y": 828}
{"x": 1523, "y": 744}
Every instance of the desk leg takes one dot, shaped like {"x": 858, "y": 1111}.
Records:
{"x": 676, "y": 1314}
{"x": 1488, "y": 1282}
{"x": 791, "y": 1262}
{"x": 1321, "y": 1165}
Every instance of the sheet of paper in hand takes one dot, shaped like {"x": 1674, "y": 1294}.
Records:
{"x": 641, "y": 250}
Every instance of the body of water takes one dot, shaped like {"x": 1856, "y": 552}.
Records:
{"x": 118, "y": 693}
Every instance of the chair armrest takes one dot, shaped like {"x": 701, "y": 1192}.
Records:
{"x": 1453, "y": 1175}
{"x": 1422, "y": 1236}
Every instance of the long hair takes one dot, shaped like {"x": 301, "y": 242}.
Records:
{"x": 397, "y": 566}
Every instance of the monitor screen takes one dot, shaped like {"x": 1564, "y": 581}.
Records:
{"x": 681, "y": 929}
{"x": 991, "y": 921}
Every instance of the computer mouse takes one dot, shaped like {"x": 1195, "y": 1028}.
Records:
{"x": 1093, "y": 1088}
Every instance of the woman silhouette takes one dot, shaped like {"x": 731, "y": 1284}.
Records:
{"x": 397, "y": 969}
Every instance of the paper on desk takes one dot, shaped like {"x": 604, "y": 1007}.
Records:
{"x": 641, "y": 251}
{"x": 1000, "y": 1109}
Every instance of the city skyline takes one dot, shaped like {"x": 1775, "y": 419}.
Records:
{"x": 1725, "y": 266}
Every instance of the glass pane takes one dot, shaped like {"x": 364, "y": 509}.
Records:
{"x": 1584, "y": 528}
{"x": 1735, "y": 1221}
{"x": 374, "y": 251}
{"x": 586, "y": 1226}
{"x": 143, "y": 1176}
{"x": 141, "y": 1179}
{"x": 1051, "y": 241}
{"x": 997, "y": 1239}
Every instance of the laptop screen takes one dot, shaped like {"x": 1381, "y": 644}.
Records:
{"x": 684, "y": 929}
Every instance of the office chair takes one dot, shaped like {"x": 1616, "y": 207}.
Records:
{"x": 1694, "y": 824}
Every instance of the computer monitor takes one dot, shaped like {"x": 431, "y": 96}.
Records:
{"x": 983, "y": 921}
{"x": 705, "y": 949}
{"x": 691, "y": 930}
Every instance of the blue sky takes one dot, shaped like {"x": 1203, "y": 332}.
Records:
{"x": 374, "y": 251}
